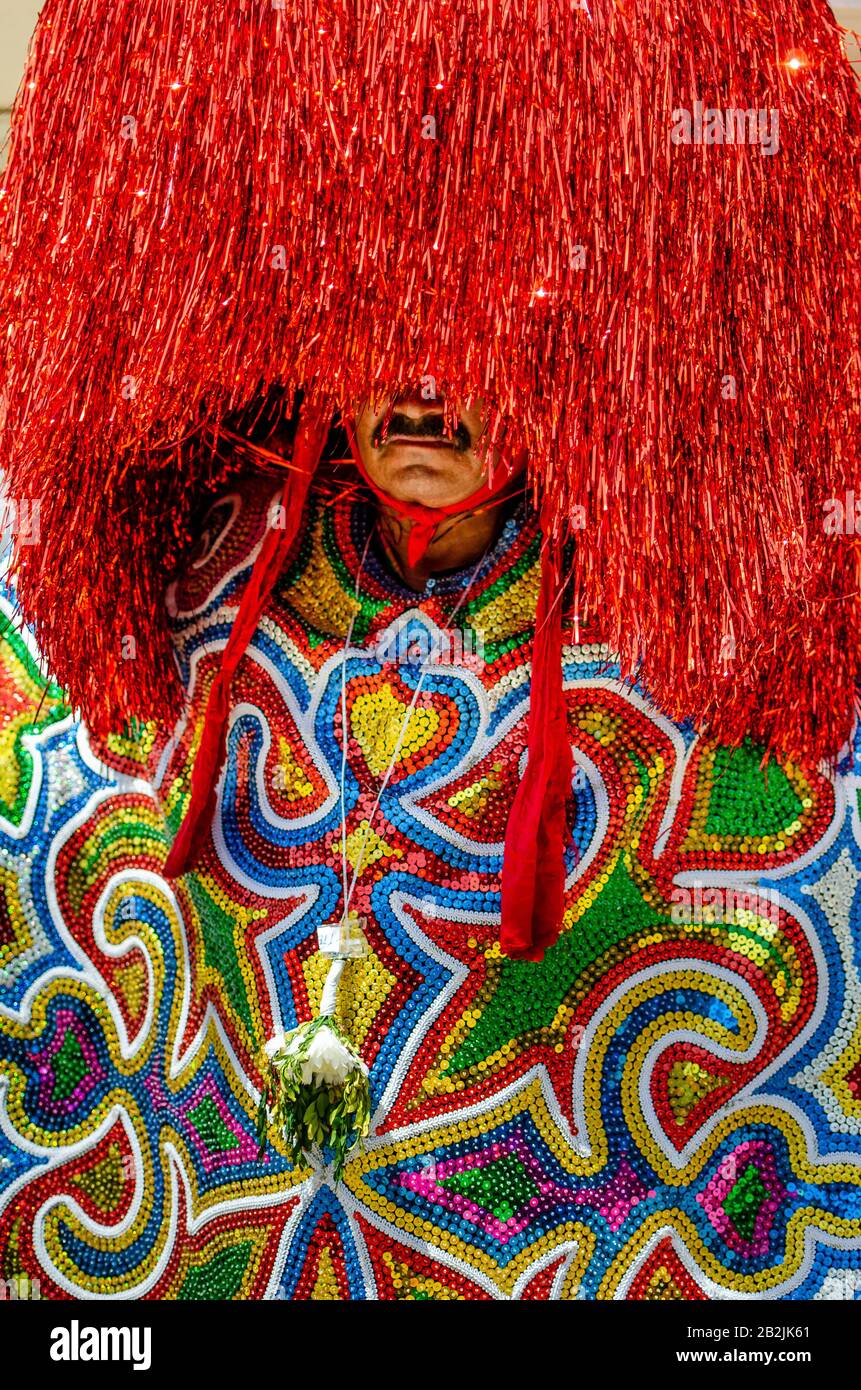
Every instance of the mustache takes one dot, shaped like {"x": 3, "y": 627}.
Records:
{"x": 427, "y": 427}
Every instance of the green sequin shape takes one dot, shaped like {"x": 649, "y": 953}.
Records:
{"x": 529, "y": 993}
{"x": 209, "y": 1123}
{"x": 219, "y": 948}
{"x": 746, "y": 799}
{"x": 742, "y": 1204}
{"x": 220, "y": 1277}
{"x": 69, "y": 1067}
{"x": 503, "y": 1187}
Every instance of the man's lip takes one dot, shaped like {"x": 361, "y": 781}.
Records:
{"x": 427, "y": 441}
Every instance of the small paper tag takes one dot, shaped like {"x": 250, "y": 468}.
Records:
{"x": 344, "y": 938}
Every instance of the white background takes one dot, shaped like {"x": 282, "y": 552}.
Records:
{"x": 17, "y": 18}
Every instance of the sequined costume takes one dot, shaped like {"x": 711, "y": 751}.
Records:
{"x": 668, "y": 1106}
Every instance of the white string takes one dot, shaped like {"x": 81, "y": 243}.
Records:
{"x": 344, "y": 737}
{"x": 401, "y": 736}
{"x": 329, "y": 1000}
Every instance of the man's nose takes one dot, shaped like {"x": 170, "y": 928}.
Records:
{"x": 414, "y": 405}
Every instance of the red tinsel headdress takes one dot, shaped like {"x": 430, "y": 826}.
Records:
{"x": 515, "y": 197}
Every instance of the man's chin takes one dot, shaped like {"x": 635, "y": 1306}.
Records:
{"x": 433, "y": 475}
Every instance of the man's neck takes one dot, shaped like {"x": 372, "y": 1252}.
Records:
{"x": 459, "y": 541}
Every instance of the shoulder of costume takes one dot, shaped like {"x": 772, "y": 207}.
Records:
{"x": 29, "y": 703}
{"x": 227, "y": 542}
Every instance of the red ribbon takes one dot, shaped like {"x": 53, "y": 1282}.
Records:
{"x": 277, "y": 543}
{"x": 533, "y": 868}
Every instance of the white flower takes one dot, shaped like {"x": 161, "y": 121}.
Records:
{"x": 276, "y": 1045}
{"x": 328, "y": 1063}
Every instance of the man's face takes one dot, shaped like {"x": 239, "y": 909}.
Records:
{"x": 419, "y": 460}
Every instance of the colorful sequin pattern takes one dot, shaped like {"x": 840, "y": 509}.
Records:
{"x": 667, "y": 1107}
